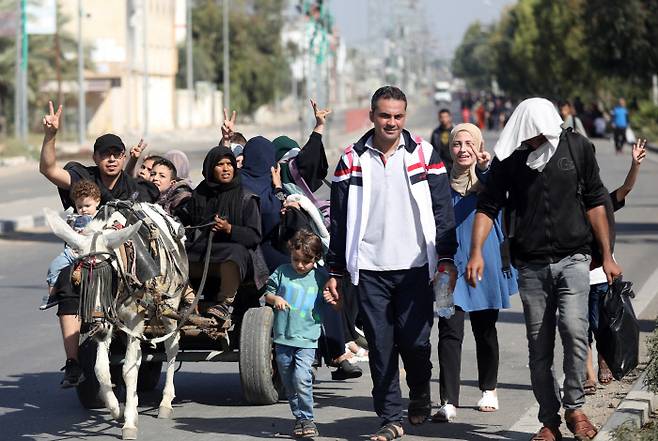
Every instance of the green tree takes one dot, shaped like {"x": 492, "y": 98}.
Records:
{"x": 257, "y": 63}
{"x": 42, "y": 55}
{"x": 625, "y": 37}
{"x": 472, "y": 60}
{"x": 562, "y": 48}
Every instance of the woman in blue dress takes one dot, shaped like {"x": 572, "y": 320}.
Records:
{"x": 467, "y": 178}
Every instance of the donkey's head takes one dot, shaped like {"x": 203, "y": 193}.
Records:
{"x": 107, "y": 240}
{"x": 98, "y": 261}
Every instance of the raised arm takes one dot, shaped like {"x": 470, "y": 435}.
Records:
{"x": 320, "y": 117}
{"x": 48, "y": 160}
{"x": 228, "y": 128}
{"x": 639, "y": 153}
{"x": 135, "y": 153}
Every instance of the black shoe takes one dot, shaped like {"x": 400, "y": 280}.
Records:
{"x": 73, "y": 374}
{"x": 48, "y": 302}
{"x": 346, "y": 370}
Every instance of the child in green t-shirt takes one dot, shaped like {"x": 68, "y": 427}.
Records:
{"x": 294, "y": 290}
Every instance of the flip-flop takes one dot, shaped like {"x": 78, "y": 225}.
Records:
{"x": 309, "y": 429}
{"x": 298, "y": 429}
{"x": 389, "y": 432}
{"x": 589, "y": 386}
{"x": 420, "y": 406}
{"x": 605, "y": 376}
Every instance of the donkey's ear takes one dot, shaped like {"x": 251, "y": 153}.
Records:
{"x": 62, "y": 230}
{"x": 114, "y": 239}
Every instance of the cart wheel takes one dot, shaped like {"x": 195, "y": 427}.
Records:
{"x": 88, "y": 390}
{"x": 258, "y": 374}
{"x": 148, "y": 376}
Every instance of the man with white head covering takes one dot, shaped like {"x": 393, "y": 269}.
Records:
{"x": 551, "y": 198}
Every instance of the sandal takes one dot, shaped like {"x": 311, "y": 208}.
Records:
{"x": 220, "y": 311}
{"x": 388, "y": 432}
{"x": 605, "y": 376}
{"x": 580, "y": 426}
{"x": 309, "y": 429}
{"x": 547, "y": 434}
{"x": 488, "y": 402}
{"x": 298, "y": 429}
{"x": 420, "y": 407}
{"x": 589, "y": 386}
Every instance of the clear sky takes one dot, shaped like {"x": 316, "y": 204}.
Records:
{"x": 446, "y": 20}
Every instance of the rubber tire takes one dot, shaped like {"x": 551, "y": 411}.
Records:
{"x": 148, "y": 376}
{"x": 88, "y": 390}
{"x": 258, "y": 375}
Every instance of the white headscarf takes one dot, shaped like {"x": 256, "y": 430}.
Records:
{"x": 532, "y": 117}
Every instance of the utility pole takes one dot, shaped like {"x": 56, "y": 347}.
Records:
{"x": 24, "y": 52}
{"x": 145, "y": 86}
{"x": 82, "y": 105}
{"x": 19, "y": 81}
{"x": 189, "y": 73}
{"x": 225, "y": 42}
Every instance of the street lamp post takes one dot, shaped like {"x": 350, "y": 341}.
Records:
{"x": 145, "y": 86}
{"x": 82, "y": 109}
{"x": 189, "y": 74}
{"x": 225, "y": 42}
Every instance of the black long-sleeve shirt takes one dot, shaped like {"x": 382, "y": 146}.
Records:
{"x": 546, "y": 217}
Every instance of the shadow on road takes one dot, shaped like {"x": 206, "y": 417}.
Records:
{"x": 635, "y": 228}
{"x": 30, "y": 236}
{"x": 36, "y": 406}
{"x": 351, "y": 428}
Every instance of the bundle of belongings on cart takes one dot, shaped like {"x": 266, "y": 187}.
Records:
{"x": 157, "y": 249}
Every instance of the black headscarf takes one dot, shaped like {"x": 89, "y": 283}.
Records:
{"x": 257, "y": 177}
{"x": 228, "y": 196}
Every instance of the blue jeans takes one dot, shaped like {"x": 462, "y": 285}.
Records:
{"x": 295, "y": 368}
{"x": 546, "y": 289}
{"x": 595, "y": 293}
{"x": 63, "y": 259}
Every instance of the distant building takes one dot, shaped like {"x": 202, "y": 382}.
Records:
{"x": 114, "y": 30}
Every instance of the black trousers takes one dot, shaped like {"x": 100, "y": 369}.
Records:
{"x": 396, "y": 309}
{"x": 451, "y": 335}
{"x": 620, "y": 138}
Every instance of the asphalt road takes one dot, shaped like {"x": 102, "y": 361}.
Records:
{"x": 209, "y": 403}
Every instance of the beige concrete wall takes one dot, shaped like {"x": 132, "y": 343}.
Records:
{"x": 117, "y": 50}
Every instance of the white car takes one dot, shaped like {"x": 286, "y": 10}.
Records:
{"x": 442, "y": 96}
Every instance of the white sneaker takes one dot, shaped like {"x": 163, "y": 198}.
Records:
{"x": 445, "y": 414}
{"x": 488, "y": 402}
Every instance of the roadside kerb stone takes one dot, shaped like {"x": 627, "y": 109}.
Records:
{"x": 636, "y": 407}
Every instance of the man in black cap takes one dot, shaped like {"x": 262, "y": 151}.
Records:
{"x": 109, "y": 156}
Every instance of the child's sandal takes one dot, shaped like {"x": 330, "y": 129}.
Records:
{"x": 298, "y": 429}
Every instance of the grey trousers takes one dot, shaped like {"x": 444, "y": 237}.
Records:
{"x": 545, "y": 289}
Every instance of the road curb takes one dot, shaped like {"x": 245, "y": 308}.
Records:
{"x": 636, "y": 407}
{"x": 22, "y": 222}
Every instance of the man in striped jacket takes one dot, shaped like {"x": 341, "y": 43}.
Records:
{"x": 392, "y": 226}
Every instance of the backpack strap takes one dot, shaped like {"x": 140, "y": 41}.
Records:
{"x": 576, "y": 163}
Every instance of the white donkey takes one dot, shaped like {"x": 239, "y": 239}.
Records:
{"x": 112, "y": 294}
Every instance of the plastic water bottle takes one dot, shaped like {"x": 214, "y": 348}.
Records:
{"x": 444, "y": 301}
